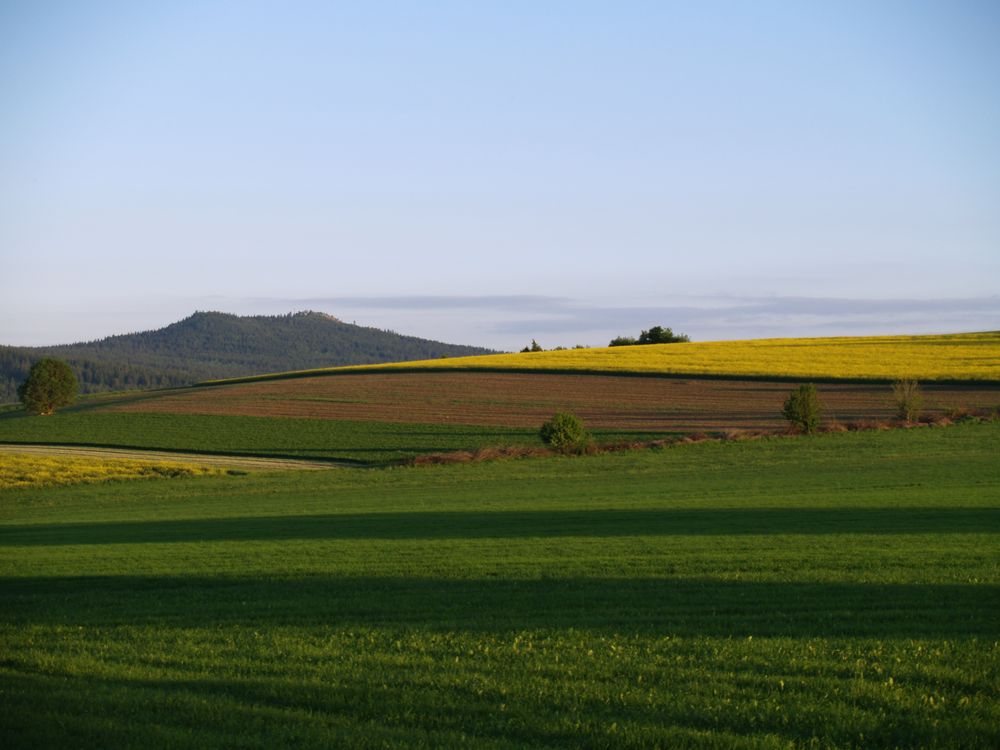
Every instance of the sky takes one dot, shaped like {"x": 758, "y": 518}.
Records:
{"x": 487, "y": 173}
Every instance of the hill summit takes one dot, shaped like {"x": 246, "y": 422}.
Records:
{"x": 210, "y": 345}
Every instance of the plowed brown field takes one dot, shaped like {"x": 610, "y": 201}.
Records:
{"x": 526, "y": 400}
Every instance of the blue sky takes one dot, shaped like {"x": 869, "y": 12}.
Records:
{"x": 488, "y": 172}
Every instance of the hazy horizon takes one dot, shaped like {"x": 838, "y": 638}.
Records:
{"x": 509, "y": 322}
{"x": 489, "y": 174}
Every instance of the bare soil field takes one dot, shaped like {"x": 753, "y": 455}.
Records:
{"x": 526, "y": 400}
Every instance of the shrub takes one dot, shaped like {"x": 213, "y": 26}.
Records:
{"x": 535, "y": 347}
{"x": 803, "y": 409}
{"x": 49, "y": 385}
{"x": 909, "y": 400}
{"x": 564, "y": 432}
{"x": 623, "y": 341}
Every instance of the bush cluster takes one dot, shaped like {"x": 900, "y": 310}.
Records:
{"x": 655, "y": 335}
{"x": 564, "y": 432}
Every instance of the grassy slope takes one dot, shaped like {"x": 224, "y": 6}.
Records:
{"x": 361, "y": 442}
{"x": 836, "y": 591}
{"x": 338, "y": 440}
{"x": 958, "y": 357}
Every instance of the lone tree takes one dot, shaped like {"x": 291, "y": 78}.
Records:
{"x": 50, "y": 384}
{"x": 803, "y": 409}
{"x": 564, "y": 432}
{"x": 909, "y": 400}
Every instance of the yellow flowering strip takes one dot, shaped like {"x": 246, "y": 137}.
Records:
{"x": 972, "y": 356}
{"x": 21, "y": 470}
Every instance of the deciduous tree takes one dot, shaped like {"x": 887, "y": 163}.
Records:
{"x": 803, "y": 409}
{"x": 909, "y": 400}
{"x": 50, "y": 385}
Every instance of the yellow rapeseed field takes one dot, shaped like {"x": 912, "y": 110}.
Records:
{"x": 19, "y": 470}
{"x": 971, "y": 356}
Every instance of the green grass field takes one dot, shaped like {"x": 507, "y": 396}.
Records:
{"x": 355, "y": 442}
{"x": 363, "y": 443}
{"x": 837, "y": 591}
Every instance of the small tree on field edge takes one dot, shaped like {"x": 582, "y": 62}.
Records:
{"x": 623, "y": 341}
{"x": 655, "y": 335}
{"x": 661, "y": 335}
{"x": 803, "y": 409}
{"x": 909, "y": 400}
{"x": 49, "y": 385}
{"x": 564, "y": 432}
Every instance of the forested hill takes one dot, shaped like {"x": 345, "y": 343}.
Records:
{"x": 211, "y": 345}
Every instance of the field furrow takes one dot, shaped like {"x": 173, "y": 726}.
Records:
{"x": 526, "y": 400}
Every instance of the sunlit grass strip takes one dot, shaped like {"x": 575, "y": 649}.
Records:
{"x": 961, "y": 357}
{"x": 20, "y": 471}
{"x": 832, "y": 592}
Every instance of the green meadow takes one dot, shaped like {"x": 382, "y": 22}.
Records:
{"x": 833, "y": 592}
{"x": 367, "y": 443}
{"x": 341, "y": 441}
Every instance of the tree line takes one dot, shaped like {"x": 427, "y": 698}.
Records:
{"x": 655, "y": 335}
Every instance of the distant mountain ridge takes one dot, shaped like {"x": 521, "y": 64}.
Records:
{"x": 209, "y": 345}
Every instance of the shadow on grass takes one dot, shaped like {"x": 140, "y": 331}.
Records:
{"x": 688, "y": 607}
{"x": 91, "y": 402}
{"x": 517, "y": 524}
